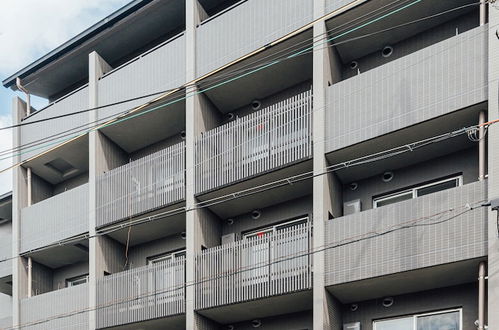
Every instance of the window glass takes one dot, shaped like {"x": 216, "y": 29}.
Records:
{"x": 442, "y": 321}
{"x": 393, "y": 199}
{"x": 437, "y": 187}
{"x": 405, "y": 323}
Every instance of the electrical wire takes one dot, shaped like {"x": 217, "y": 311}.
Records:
{"x": 457, "y": 8}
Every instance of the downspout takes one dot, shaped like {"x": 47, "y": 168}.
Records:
{"x": 481, "y": 296}
{"x": 483, "y": 12}
{"x": 30, "y": 262}
{"x": 481, "y": 146}
{"x": 25, "y": 91}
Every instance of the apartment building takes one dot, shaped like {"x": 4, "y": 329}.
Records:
{"x": 283, "y": 164}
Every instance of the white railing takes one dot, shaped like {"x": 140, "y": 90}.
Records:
{"x": 255, "y": 267}
{"x": 61, "y": 309}
{"x": 141, "y": 294}
{"x": 54, "y": 219}
{"x": 262, "y": 141}
{"x": 143, "y": 185}
{"x": 6, "y": 322}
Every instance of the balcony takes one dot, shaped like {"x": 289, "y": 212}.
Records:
{"x": 256, "y": 267}
{"x": 72, "y": 102}
{"x": 68, "y": 212}
{"x": 434, "y": 81}
{"x": 140, "y": 294}
{"x": 154, "y": 71}
{"x": 143, "y": 185}
{"x": 436, "y": 229}
{"x": 60, "y": 309}
{"x": 5, "y": 255}
{"x": 5, "y": 322}
{"x": 245, "y": 27}
{"x": 266, "y": 140}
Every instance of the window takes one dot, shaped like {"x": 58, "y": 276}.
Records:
{"x": 165, "y": 256}
{"x": 444, "y": 320}
{"x": 418, "y": 191}
{"x": 77, "y": 280}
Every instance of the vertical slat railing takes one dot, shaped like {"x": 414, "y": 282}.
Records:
{"x": 255, "y": 267}
{"x": 60, "y": 309}
{"x": 141, "y": 294}
{"x": 142, "y": 185}
{"x": 268, "y": 139}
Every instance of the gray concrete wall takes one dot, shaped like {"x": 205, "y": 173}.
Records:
{"x": 462, "y": 296}
{"x": 41, "y": 279}
{"x": 71, "y": 183}
{"x": 60, "y": 275}
{"x": 460, "y": 163}
{"x": 295, "y": 321}
{"x": 158, "y": 146}
{"x": 139, "y": 254}
{"x": 270, "y": 215}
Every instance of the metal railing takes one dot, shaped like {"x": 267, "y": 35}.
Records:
{"x": 60, "y": 309}
{"x": 54, "y": 219}
{"x": 262, "y": 141}
{"x": 6, "y": 322}
{"x": 143, "y": 185}
{"x": 141, "y": 294}
{"x": 256, "y": 267}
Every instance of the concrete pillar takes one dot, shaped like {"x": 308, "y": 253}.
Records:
{"x": 19, "y": 201}
{"x": 97, "y": 67}
{"x": 321, "y": 184}
{"x": 493, "y": 170}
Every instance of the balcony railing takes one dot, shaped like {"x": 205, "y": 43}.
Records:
{"x": 140, "y": 294}
{"x": 5, "y": 257}
{"x": 427, "y": 234}
{"x": 73, "y": 102}
{"x": 247, "y": 27}
{"x": 157, "y": 70}
{"x": 256, "y": 267}
{"x": 60, "y": 309}
{"x": 445, "y": 77}
{"x": 66, "y": 212}
{"x": 146, "y": 184}
{"x": 265, "y": 140}
{"x": 6, "y": 322}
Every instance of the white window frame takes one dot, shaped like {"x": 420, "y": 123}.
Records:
{"x": 414, "y": 191}
{"x": 78, "y": 280}
{"x": 274, "y": 228}
{"x": 165, "y": 256}
{"x": 415, "y": 317}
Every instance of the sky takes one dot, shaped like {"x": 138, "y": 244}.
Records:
{"x": 28, "y": 30}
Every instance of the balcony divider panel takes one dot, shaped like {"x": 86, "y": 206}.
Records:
{"x": 143, "y": 185}
{"x": 247, "y": 27}
{"x": 60, "y": 309}
{"x": 265, "y": 140}
{"x": 254, "y": 268}
{"x": 140, "y": 294}
{"x": 439, "y": 237}
{"x": 54, "y": 219}
{"x": 5, "y": 256}
{"x": 434, "y": 81}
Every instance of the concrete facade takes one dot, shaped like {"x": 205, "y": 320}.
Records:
{"x": 238, "y": 184}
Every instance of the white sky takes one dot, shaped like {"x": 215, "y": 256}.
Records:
{"x": 28, "y": 30}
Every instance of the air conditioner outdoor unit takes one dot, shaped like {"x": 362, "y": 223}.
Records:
{"x": 351, "y": 207}
{"x": 351, "y": 326}
{"x": 229, "y": 238}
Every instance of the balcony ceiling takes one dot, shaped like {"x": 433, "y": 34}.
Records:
{"x": 74, "y": 152}
{"x": 212, "y": 7}
{"x": 170, "y": 323}
{"x": 356, "y": 49}
{"x": 431, "y": 128}
{"x": 117, "y": 38}
{"x": 266, "y": 82}
{"x": 407, "y": 282}
{"x": 144, "y": 130}
{"x": 63, "y": 255}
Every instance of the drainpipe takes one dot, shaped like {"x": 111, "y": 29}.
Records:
{"x": 483, "y": 12}
{"x": 30, "y": 276}
{"x": 481, "y": 146}
{"x": 29, "y": 189}
{"x": 481, "y": 296}
{"x": 25, "y": 91}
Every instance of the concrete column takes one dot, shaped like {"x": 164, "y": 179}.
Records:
{"x": 322, "y": 189}
{"x": 97, "y": 67}
{"x": 493, "y": 170}
{"x": 19, "y": 201}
